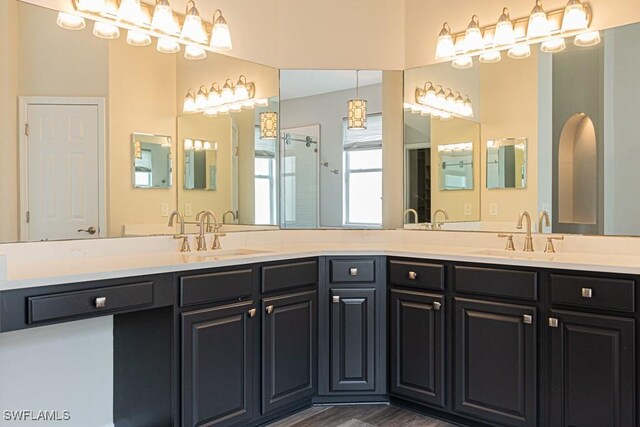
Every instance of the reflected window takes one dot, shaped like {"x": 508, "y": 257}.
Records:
{"x": 265, "y": 180}
{"x": 143, "y": 168}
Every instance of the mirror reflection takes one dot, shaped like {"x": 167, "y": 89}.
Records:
{"x": 507, "y": 163}
{"x": 456, "y": 166}
{"x": 151, "y": 161}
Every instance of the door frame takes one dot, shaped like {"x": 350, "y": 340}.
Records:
{"x": 23, "y": 140}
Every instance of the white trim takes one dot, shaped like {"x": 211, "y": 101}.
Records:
{"x": 23, "y": 140}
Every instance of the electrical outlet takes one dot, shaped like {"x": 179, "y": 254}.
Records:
{"x": 493, "y": 209}
{"x": 467, "y": 209}
{"x": 187, "y": 209}
{"x": 165, "y": 209}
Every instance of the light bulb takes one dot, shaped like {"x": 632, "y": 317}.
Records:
{"x": 188, "y": 144}
{"x": 137, "y": 38}
{"x": 519, "y": 51}
{"x": 445, "y": 47}
{"x": 591, "y": 38}
{"x": 538, "y": 23}
{"x": 163, "y": 21}
{"x": 553, "y": 45}
{"x": 166, "y": 45}
{"x": 504, "y": 35}
{"x": 130, "y": 11}
{"x": 192, "y": 29}
{"x": 70, "y": 22}
{"x": 220, "y": 35}
{"x": 575, "y": 17}
{"x": 490, "y": 57}
{"x": 92, "y": 6}
{"x": 105, "y": 30}
{"x": 189, "y": 105}
{"x": 194, "y": 52}
{"x": 473, "y": 36}
{"x": 201, "y": 98}
{"x": 462, "y": 62}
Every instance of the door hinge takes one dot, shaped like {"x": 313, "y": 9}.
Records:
{"x": 28, "y": 217}
{"x": 26, "y": 129}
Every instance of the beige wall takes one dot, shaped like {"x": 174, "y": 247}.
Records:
{"x": 509, "y": 104}
{"x": 449, "y": 132}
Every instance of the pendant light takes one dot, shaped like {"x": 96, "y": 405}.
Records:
{"x": 445, "y": 47}
{"x": 189, "y": 105}
{"x": 575, "y": 17}
{"x": 519, "y": 51}
{"x": 553, "y": 45}
{"x": 194, "y": 52}
{"x": 504, "y": 35}
{"x": 490, "y": 57}
{"x": 130, "y": 11}
{"x": 462, "y": 62}
{"x": 220, "y": 35}
{"x": 92, "y": 6}
{"x": 70, "y": 22}
{"x": 192, "y": 29}
{"x": 269, "y": 125}
{"x": 591, "y": 38}
{"x": 357, "y": 109}
{"x": 105, "y": 30}
{"x": 473, "y": 36}
{"x": 138, "y": 38}
{"x": 162, "y": 21}
{"x": 538, "y": 23}
{"x": 166, "y": 45}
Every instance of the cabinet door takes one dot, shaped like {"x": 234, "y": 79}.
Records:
{"x": 417, "y": 346}
{"x": 353, "y": 329}
{"x": 495, "y": 363}
{"x": 289, "y": 348}
{"x": 592, "y": 370}
{"x": 217, "y": 365}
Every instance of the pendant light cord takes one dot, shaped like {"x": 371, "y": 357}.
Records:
{"x": 357, "y": 82}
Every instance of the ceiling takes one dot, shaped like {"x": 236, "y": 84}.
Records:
{"x": 302, "y": 83}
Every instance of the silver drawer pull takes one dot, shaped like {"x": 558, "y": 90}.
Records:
{"x": 101, "y": 302}
{"x": 587, "y": 292}
{"x": 437, "y": 305}
{"x": 553, "y": 322}
{"x": 413, "y": 275}
{"x": 335, "y": 299}
{"x": 353, "y": 271}
{"x": 527, "y": 319}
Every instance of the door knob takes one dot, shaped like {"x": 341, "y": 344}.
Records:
{"x": 91, "y": 230}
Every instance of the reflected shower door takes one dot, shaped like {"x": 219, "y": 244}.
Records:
{"x": 299, "y": 177}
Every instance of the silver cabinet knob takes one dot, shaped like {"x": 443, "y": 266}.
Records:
{"x": 353, "y": 271}
{"x": 269, "y": 309}
{"x": 252, "y": 312}
{"x": 413, "y": 275}
{"x": 101, "y": 302}
{"x": 335, "y": 299}
{"x": 587, "y": 292}
{"x": 527, "y": 319}
{"x": 437, "y": 305}
{"x": 553, "y": 322}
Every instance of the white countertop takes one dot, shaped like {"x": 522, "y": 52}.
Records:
{"x": 25, "y": 273}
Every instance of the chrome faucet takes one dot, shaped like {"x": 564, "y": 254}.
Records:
{"x": 415, "y": 215}
{"x": 224, "y": 216}
{"x": 202, "y": 242}
{"x": 544, "y": 216}
{"x": 528, "y": 240}
{"x": 184, "y": 247}
{"x": 438, "y": 225}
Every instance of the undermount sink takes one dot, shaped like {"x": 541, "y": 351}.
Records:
{"x": 537, "y": 256}
{"x": 226, "y": 253}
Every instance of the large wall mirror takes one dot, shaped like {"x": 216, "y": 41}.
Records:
{"x": 556, "y": 132}
{"x": 102, "y": 147}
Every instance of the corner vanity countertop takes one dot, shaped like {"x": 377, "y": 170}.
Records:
{"x": 32, "y": 273}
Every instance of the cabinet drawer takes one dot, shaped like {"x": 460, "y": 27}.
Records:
{"x": 416, "y": 274}
{"x": 354, "y": 270}
{"x": 288, "y": 276}
{"x": 595, "y": 292}
{"x": 215, "y": 287}
{"x": 497, "y": 282}
{"x": 89, "y": 302}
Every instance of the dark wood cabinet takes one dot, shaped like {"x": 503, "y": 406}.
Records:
{"x": 495, "y": 362}
{"x": 289, "y": 349}
{"x": 218, "y": 365}
{"x": 592, "y": 370}
{"x": 418, "y": 346}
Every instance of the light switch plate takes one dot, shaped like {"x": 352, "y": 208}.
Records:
{"x": 165, "y": 209}
{"x": 187, "y": 209}
{"x": 493, "y": 209}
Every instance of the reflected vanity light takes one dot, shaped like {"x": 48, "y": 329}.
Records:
{"x": 269, "y": 125}
{"x": 199, "y": 145}
{"x": 167, "y": 45}
{"x": 92, "y": 6}
{"x": 214, "y": 101}
{"x": 439, "y": 102}
{"x": 192, "y": 29}
{"x": 515, "y": 36}
{"x": 136, "y": 38}
{"x": 105, "y": 30}
{"x": 194, "y": 52}
{"x": 220, "y": 35}
{"x": 163, "y": 21}
{"x": 70, "y": 22}
{"x": 130, "y": 11}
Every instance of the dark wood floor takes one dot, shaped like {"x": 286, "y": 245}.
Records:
{"x": 358, "y": 416}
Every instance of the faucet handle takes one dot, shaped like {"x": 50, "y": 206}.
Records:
{"x": 184, "y": 246}
{"x": 216, "y": 240}
{"x": 549, "y": 248}
{"x": 510, "y": 246}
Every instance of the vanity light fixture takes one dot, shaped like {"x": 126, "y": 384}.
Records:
{"x": 220, "y": 34}
{"x": 70, "y": 22}
{"x": 165, "y": 45}
{"x": 538, "y": 23}
{"x": 462, "y": 62}
{"x": 189, "y": 105}
{"x": 519, "y": 51}
{"x": 439, "y": 102}
{"x": 227, "y": 93}
{"x": 214, "y": 101}
{"x": 92, "y": 6}
{"x": 504, "y": 34}
{"x": 199, "y": 145}
{"x": 269, "y": 125}
{"x": 445, "y": 47}
{"x": 473, "y": 36}
{"x": 591, "y": 38}
{"x": 553, "y": 45}
{"x": 188, "y": 144}
{"x": 575, "y": 17}
{"x": 194, "y": 52}
{"x": 357, "y": 109}
{"x": 192, "y": 29}
{"x": 241, "y": 92}
{"x": 136, "y": 38}
{"x": 105, "y": 30}
{"x": 490, "y": 57}
{"x": 201, "y": 98}
{"x": 130, "y": 11}
{"x": 163, "y": 21}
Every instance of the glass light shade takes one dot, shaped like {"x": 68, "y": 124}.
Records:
{"x": 445, "y": 47}
{"x": 167, "y": 45}
{"x": 468, "y": 108}
{"x": 538, "y": 23}
{"x": 490, "y": 57}
{"x": 460, "y": 107}
{"x": 189, "y": 105}
{"x": 163, "y": 21}
{"x": 553, "y": 45}
{"x": 137, "y": 38}
{"x": 192, "y": 29}
{"x": 248, "y": 105}
{"x": 201, "y": 99}
{"x": 194, "y": 52}
{"x": 451, "y": 101}
{"x": 92, "y": 6}
{"x": 519, "y": 51}
{"x": 223, "y": 109}
{"x": 357, "y": 114}
{"x": 206, "y": 145}
{"x": 441, "y": 99}
{"x": 591, "y": 38}
{"x": 268, "y": 125}
{"x": 220, "y": 35}
{"x": 462, "y": 62}
{"x": 131, "y": 11}
{"x": 197, "y": 145}
{"x": 473, "y": 40}
{"x": 70, "y": 22}
{"x": 105, "y": 30}
{"x": 211, "y": 112}
{"x": 575, "y": 17}
{"x": 504, "y": 34}
{"x": 227, "y": 94}
{"x": 241, "y": 93}
{"x": 188, "y": 144}
{"x": 262, "y": 102}
{"x": 235, "y": 107}
{"x": 213, "y": 100}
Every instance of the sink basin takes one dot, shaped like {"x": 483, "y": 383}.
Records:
{"x": 536, "y": 256}
{"x": 227, "y": 253}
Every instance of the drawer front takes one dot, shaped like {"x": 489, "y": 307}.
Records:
{"x": 89, "y": 302}
{"x": 416, "y": 274}
{"x": 288, "y": 276}
{"x": 497, "y": 282}
{"x": 215, "y": 287}
{"x": 595, "y": 292}
{"x": 355, "y": 270}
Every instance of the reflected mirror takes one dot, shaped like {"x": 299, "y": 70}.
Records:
{"x": 200, "y": 164}
{"x": 507, "y": 163}
{"x": 455, "y": 164}
{"x": 151, "y": 161}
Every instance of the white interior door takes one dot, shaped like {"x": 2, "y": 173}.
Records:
{"x": 62, "y": 153}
